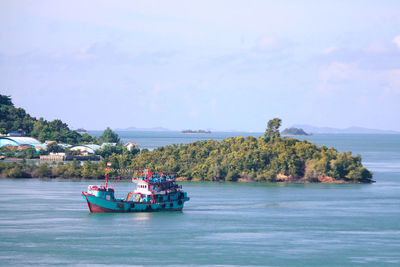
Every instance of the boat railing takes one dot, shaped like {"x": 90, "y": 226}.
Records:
{"x": 154, "y": 178}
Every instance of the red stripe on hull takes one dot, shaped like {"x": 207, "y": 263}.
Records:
{"x": 99, "y": 209}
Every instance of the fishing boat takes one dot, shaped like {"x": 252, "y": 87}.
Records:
{"x": 153, "y": 192}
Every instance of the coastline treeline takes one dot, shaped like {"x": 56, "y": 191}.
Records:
{"x": 265, "y": 159}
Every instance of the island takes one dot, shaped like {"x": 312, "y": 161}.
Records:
{"x": 269, "y": 158}
{"x": 196, "y": 131}
{"x": 294, "y": 131}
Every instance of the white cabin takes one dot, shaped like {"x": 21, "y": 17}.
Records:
{"x": 143, "y": 188}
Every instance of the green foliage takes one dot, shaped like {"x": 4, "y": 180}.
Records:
{"x": 16, "y": 173}
{"x": 8, "y": 151}
{"x": 92, "y": 170}
{"x": 44, "y": 170}
{"x": 260, "y": 159}
{"x": 13, "y": 152}
{"x": 75, "y": 170}
{"x": 272, "y": 130}
{"x": 6, "y": 100}
{"x": 253, "y": 158}
{"x": 15, "y": 170}
{"x": 28, "y": 153}
{"x": 69, "y": 170}
{"x": 13, "y": 119}
{"x": 55, "y": 148}
{"x": 109, "y": 136}
{"x": 109, "y": 150}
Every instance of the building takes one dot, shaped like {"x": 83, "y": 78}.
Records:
{"x": 131, "y": 145}
{"x": 58, "y": 157}
{"x": 108, "y": 144}
{"x": 21, "y": 141}
{"x": 17, "y": 133}
{"x": 53, "y": 157}
{"x": 85, "y": 149}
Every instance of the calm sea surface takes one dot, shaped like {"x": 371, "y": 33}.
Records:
{"x": 46, "y": 222}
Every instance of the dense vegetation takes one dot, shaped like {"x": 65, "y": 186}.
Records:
{"x": 250, "y": 158}
{"x": 255, "y": 159}
{"x": 294, "y": 131}
{"x": 268, "y": 158}
{"x": 16, "y": 119}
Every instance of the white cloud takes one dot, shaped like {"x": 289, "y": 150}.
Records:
{"x": 267, "y": 43}
{"x": 396, "y": 40}
{"x": 330, "y": 50}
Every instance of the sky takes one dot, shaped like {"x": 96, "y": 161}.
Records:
{"x": 221, "y": 65}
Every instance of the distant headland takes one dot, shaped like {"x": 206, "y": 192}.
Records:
{"x": 349, "y": 130}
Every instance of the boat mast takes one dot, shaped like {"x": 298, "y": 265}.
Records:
{"x": 107, "y": 171}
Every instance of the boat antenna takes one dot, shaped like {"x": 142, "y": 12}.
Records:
{"x": 116, "y": 182}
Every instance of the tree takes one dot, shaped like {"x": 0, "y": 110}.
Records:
{"x": 6, "y": 100}
{"x": 53, "y": 147}
{"x": 109, "y": 136}
{"x": 15, "y": 119}
{"x": 108, "y": 150}
{"x": 272, "y": 130}
{"x": 44, "y": 170}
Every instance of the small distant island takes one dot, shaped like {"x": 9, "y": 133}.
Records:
{"x": 294, "y": 131}
{"x": 196, "y": 131}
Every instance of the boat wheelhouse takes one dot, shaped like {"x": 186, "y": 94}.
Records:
{"x": 153, "y": 192}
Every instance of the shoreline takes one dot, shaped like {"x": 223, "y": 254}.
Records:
{"x": 182, "y": 179}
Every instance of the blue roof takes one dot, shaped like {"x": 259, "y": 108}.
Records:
{"x": 19, "y": 140}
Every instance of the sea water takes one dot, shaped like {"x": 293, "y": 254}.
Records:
{"x": 46, "y": 222}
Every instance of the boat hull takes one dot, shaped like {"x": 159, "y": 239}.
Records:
{"x": 101, "y": 205}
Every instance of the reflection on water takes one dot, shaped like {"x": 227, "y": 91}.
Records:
{"x": 141, "y": 216}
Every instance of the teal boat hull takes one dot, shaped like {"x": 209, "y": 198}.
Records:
{"x": 101, "y": 205}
